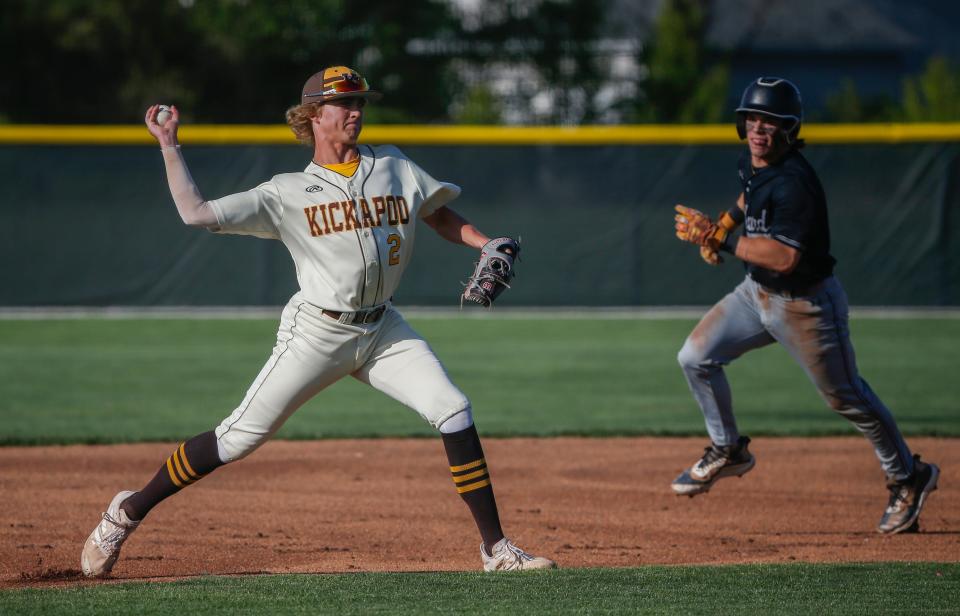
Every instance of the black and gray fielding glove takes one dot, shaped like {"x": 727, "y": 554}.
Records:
{"x": 493, "y": 272}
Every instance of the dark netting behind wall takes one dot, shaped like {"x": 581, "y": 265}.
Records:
{"x": 95, "y": 226}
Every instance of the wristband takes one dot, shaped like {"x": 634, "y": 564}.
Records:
{"x": 730, "y": 219}
{"x": 737, "y": 215}
{"x": 730, "y": 244}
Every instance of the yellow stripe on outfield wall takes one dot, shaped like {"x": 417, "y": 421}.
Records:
{"x": 637, "y": 134}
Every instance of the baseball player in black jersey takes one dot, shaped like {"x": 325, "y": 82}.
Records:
{"x": 789, "y": 296}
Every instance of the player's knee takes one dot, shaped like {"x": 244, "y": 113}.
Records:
{"x": 459, "y": 420}
{"x": 690, "y": 356}
{"x": 842, "y": 401}
{"x": 837, "y": 402}
{"x": 233, "y": 444}
{"x": 443, "y": 408}
{"x": 839, "y": 396}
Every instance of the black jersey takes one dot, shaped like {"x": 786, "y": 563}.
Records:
{"x": 785, "y": 202}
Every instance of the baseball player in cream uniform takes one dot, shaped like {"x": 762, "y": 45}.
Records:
{"x": 349, "y": 221}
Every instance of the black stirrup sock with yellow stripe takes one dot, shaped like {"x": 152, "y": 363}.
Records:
{"x": 188, "y": 463}
{"x": 469, "y": 470}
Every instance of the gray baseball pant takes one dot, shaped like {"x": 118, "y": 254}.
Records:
{"x": 814, "y": 330}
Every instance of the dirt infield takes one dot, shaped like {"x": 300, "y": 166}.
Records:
{"x": 389, "y": 505}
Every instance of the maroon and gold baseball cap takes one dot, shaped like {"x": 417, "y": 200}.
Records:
{"x": 336, "y": 82}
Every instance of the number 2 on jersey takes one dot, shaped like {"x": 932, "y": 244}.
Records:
{"x": 394, "y": 255}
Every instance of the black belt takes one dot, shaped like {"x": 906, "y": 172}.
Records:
{"x": 370, "y": 315}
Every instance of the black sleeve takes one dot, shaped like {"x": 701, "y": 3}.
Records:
{"x": 793, "y": 213}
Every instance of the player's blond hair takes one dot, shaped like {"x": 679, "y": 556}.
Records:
{"x": 299, "y": 120}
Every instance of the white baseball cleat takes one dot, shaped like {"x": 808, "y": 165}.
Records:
{"x": 507, "y": 557}
{"x": 716, "y": 463}
{"x": 102, "y": 548}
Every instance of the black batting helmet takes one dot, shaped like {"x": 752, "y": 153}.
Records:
{"x": 774, "y": 97}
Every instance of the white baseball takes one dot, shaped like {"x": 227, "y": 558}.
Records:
{"x": 163, "y": 115}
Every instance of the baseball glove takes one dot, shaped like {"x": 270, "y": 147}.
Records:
{"x": 493, "y": 271}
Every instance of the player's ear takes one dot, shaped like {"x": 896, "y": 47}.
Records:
{"x": 316, "y": 115}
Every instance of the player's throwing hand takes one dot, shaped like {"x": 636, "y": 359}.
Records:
{"x": 165, "y": 133}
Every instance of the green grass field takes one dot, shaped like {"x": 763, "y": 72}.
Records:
{"x": 104, "y": 381}
{"x": 906, "y": 588}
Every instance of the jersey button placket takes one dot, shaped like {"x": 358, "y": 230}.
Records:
{"x": 373, "y": 278}
{"x": 373, "y": 262}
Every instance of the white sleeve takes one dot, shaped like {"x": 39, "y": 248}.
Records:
{"x": 255, "y": 212}
{"x": 435, "y": 194}
{"x": 186, "y": 196}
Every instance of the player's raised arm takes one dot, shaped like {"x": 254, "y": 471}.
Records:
{"x": 190, "y": 203}
{"x": 453, "y": 227}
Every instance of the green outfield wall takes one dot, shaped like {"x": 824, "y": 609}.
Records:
{"x": 87, "y": 220}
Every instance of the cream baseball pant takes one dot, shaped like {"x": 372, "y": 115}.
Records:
{"x": 314, "y": 351}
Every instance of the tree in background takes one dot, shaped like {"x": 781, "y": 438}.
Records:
{"x": 437, "y": 61}
{"x": 528, "y": 61}
{"x": 568, "y": 61}
{"x": 245, "y": 60}
{"x": 683, "y": 84}
{"x": 85, "y": 61}
{"x": 847, "y": 105}
{"x": 218, "y": 60}
{"x": 283, "y": 42}
{"x": 934, "y": 95}
{"x": 477, "y": 105}
{"x": 931, "y": 96}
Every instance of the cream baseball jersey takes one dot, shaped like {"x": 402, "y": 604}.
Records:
{"x": 350, "y": 237}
